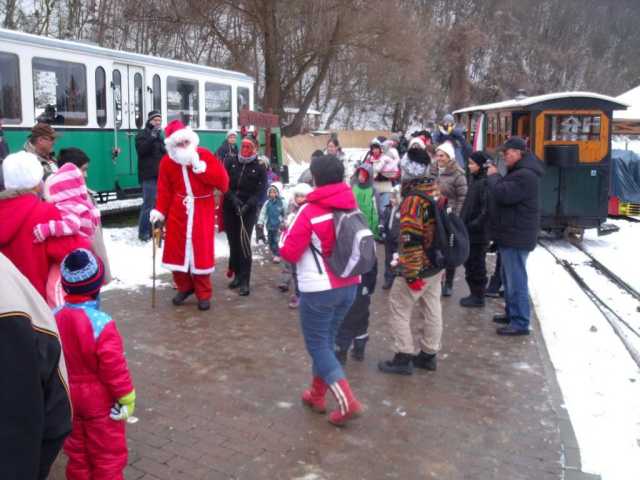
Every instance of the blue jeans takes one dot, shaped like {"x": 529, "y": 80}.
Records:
{"x": 321, "y": 314}
{"x": 149, "y": 188}
{"x": 516, "y": 286}
{"x": 274, "y": 237}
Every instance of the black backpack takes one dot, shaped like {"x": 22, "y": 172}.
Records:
{"x": 450, "y": 246}
{"x": 354, "y": 252}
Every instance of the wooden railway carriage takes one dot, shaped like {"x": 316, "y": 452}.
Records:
{"x": 571, "y": 133}
{"x": 98, "y": 99}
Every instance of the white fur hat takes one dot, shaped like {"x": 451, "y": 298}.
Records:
{"x": 447, "y": 148}
{"x": 302, "y": 189}
{"x": 231, "y": 132}
{"x": 22, "y": 170}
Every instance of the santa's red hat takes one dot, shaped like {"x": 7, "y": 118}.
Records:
{"x": 176, "y": 132}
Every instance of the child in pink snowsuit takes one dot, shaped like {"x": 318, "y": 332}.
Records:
{"x": 67, "y": 190}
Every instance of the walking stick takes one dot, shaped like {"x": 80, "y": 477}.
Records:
{"x": 156, "y": 240}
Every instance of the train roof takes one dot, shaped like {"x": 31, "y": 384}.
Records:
{"x": 119, "y": 55}
{"x": 525, "y": 102}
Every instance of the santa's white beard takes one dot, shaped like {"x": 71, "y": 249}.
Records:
{"x": 183, "y": 155}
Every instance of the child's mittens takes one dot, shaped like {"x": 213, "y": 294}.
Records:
{"x": 230, "y": 273}
{"x": 40, "y": 233}
{"x": 124, "y": 407}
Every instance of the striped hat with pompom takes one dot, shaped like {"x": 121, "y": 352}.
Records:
{"x": 82, "y": 273}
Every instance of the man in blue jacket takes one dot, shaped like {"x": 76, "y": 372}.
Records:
{"x": 515, "y": 225}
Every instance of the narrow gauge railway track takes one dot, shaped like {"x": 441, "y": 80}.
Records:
{"x": 614, "y": 298}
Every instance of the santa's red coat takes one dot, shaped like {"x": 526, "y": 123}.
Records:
{"x": 187, "y": 201}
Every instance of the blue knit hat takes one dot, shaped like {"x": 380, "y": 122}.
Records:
{"x": 82, "y": 273}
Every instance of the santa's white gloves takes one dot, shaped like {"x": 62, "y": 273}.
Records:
{"x": 155, "y": 216}
{"x": 198, "y": 165}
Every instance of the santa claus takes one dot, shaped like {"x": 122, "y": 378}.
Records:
{"x": 187, "y": 178}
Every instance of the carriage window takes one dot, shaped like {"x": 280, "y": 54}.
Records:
{"x": 243, "y": 99}
{"x": 157, "y": 93}
{"x": 101, "y": 97}
{"x": 117, "y": 97}
{"x": 10, "y": 111}
{"x": 217, "y": 106}
{"x": 138, "y": 100}
{"x": 59, "y": 92}
{"x": 572, "y": 128}
{"x": 182, "y": 101}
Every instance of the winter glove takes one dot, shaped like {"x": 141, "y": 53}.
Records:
{"x": 382, "y": 232}
{"x": 230, "y": 273}
{"x": 417, "y": 284}
{"x": 198, "y": 166}
{"x": 124, "y": 407}
{"x": 156, "y": 216}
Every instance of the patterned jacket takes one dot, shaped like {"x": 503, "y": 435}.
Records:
{"x": 417, "y": 228}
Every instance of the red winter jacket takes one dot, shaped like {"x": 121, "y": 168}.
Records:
{"x": 314, "y": 223}
{"x": 18, "y": 216}
{"x": 93, "y": 351}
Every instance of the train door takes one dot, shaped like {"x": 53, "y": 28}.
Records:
{"x": 128, "y": 95}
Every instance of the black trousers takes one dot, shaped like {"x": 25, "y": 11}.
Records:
{"x": 390, "y": 247}
{"x": 356, "y": 322}
{"x": 476, "y": 269}
{"x": 239, "y": 259}
{"x": 495, "y": 283}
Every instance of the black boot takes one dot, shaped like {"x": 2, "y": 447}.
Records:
{"x": 501, "y": 319}
{"x": 341, "y": 355}
{"x": 447, "y": 290}
{"x": 204, "y": 305}
{"x": 244, "y": 291}
{"x": 235, "y": 283}
{"x": 388, "y": 283}
{"x": 180, "y": 297}
{"x": 359, "y": 345}
{"x": 472, "y": 301}
{"x": 426, "y": 361}
{"x": 493, "y": 290}
{"x": 400, "y": 364}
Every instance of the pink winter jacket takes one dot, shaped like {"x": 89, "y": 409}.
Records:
{"x": 67, "y": 190}
{"x": 314, "y": 224}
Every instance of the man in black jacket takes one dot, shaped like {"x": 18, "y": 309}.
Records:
{"x": 475, "y": 215}
{"x": 34, "y": 399}
{"x": 150, "y": 149}
{"x": 247, "y": 179}
{"x": 228, "y": 147}
{"x": 515, "y": 228}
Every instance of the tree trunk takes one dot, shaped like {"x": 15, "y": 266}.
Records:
{"x": 9, "y": 15}
{"x": 272, "y": 69}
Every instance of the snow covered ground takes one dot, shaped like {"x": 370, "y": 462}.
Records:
{"x": 599, "y": 380}
{"x": 131, "y": 260}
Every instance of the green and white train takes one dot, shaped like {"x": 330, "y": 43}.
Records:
{"x": 98, "y": 99}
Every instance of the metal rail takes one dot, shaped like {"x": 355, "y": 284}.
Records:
{"x": 612, "y": 317}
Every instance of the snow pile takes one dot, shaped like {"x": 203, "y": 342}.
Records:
{"x": 617, "y": 251}
{"x": 131, "y": 260}
{"x": 599, "y": 380}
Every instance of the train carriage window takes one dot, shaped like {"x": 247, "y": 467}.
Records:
{"x": 572, "y": 128}
{"x": 243, "y": 99}
{"x": 157, "y": 93}
{"x": 138, "y": 100}
{"x": 59, "y": 92}
{"x": 101, "y": 97}
{"x": 117, "y": 97}
{"x": 10, "y": 110}
{"x": 217, "y": 106}
{"x": 182, "y": 101}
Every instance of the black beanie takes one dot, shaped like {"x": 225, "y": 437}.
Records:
{"x": 327, "y": 169}
{"x": 153, "y": 114}
{"x": 480, "y": 158}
